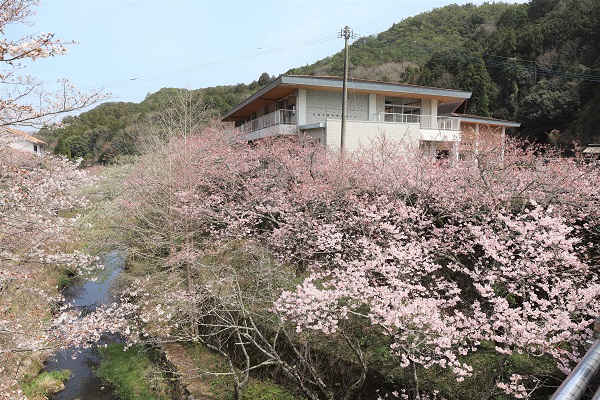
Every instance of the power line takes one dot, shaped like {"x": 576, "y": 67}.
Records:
{"x": 492, "y": 60}
{"x": 262, "y": 51}
{"x": 514, "y": 63}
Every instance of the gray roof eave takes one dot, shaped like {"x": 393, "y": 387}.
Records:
{"x": 484, "y": 120}
{"x": 337, "y": 83}
{"x": 270, "y": 86}
{"x": 373, "y": 86}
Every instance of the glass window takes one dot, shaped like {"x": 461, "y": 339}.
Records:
{"x": 405, "y": 109}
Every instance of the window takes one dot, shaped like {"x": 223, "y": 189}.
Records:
{"x": 400, "y": 109}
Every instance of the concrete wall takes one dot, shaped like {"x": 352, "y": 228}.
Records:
{"x": 363, "y": 133}
{"x": 429, "y": 114}
{"x": 317, "y": 134}
{"x": 27, "y": 146}
{"x": 322, "y": 105}
{"x": 379, "y": 106}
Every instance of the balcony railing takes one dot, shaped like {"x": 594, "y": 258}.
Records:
{"x": 403, "y": 118}
{"x": 448, "y": 123}
{"x": 443, "y": 123}
{"x": 288, "y": 117}
{"x": 279, "y": 117}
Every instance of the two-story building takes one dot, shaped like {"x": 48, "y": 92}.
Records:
{"x": 416, "y": 116}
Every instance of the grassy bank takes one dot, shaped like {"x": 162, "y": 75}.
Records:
{"x": 45, "y": 384}
{"x": 213, "y": 383}
{"x": 133, "y": 374}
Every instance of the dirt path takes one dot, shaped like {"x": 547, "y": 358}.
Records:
{"x": 192, "y": 384}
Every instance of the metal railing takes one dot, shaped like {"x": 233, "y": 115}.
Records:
{"x": 279, "y": 117}
{"x": 576, "y": 384}
{"x": 288, "y": 117}
{"x": 395, "y": 117}
{"x": 443, "y": 123}
{"x": 448, "y": 123}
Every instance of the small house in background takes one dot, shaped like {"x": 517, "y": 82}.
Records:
{"x": 21, "y": 141}
{"x": 592, "y": 151}
{"x": 416, "y": 116}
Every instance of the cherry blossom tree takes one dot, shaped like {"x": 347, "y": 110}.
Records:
{"x": 496, "y": 249}
{"x": 38, "y": 216}
{"x": 38, "y": 203}
{"x": 218, "y": 293}
{"x": 24, "y": 101}
{"x": 442, "y": 258}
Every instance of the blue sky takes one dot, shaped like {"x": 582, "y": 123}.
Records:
{"x": 132, "y": 48}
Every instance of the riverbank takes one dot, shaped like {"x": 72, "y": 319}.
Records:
{"x": 135, "y": 374}
{"x": 202, "y": 375}
{"x": 29, "y": 303}
{"x": 85, "y": 296}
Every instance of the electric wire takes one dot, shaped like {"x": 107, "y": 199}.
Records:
{"x": 250, "y": 55}
{"x": 490, "y": 60}
{"x": 513, "y": 63}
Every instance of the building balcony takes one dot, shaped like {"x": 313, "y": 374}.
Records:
{"x": 284, "y": 122}
{"x": 279, "y": 117}
{"x": 443, "y": 123}
{"x": 440, "y": 129}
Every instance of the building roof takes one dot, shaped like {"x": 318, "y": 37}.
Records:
{"x": 476, "y": 119}
{"x": 22, "y": 134}
{"x": 593, "y": 148}
{"x": 285, "y": 85}
{"x": 449, "y": 107}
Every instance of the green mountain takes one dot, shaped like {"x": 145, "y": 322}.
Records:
{"x": 537, "y": 63}
{"x": 110, "y": 129}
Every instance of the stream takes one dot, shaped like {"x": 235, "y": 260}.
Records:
{"x": 84, "y": 384}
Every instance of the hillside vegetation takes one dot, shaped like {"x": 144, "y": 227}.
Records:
{"x": 112, "y": 129}
{"x": 537, "y": 63}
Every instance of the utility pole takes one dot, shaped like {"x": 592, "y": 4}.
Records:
{"x": 345, "y": 33}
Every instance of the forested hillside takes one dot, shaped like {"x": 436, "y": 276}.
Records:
{"x": 537, "y": 63}
{"x": 111, "y": 129}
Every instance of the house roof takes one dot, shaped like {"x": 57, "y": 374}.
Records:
{"x": 285, "y": 85}
{"x": 593, "y": 148}
{"x": 22, "y": 134}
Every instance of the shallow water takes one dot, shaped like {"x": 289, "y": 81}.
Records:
{"x": 84, "y": 384}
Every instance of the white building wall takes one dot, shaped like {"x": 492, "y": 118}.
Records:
{"x": 27, "y": 146}
{"x": 372, "y": 107}
{"x": 363, "y": 133}
{"x": 380, "y": 104}
{"x": 301, "y": 106}
{"x": 433, "y": 113}
{"x": 321, "y": 105}
{"x": 426, "y": 114}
